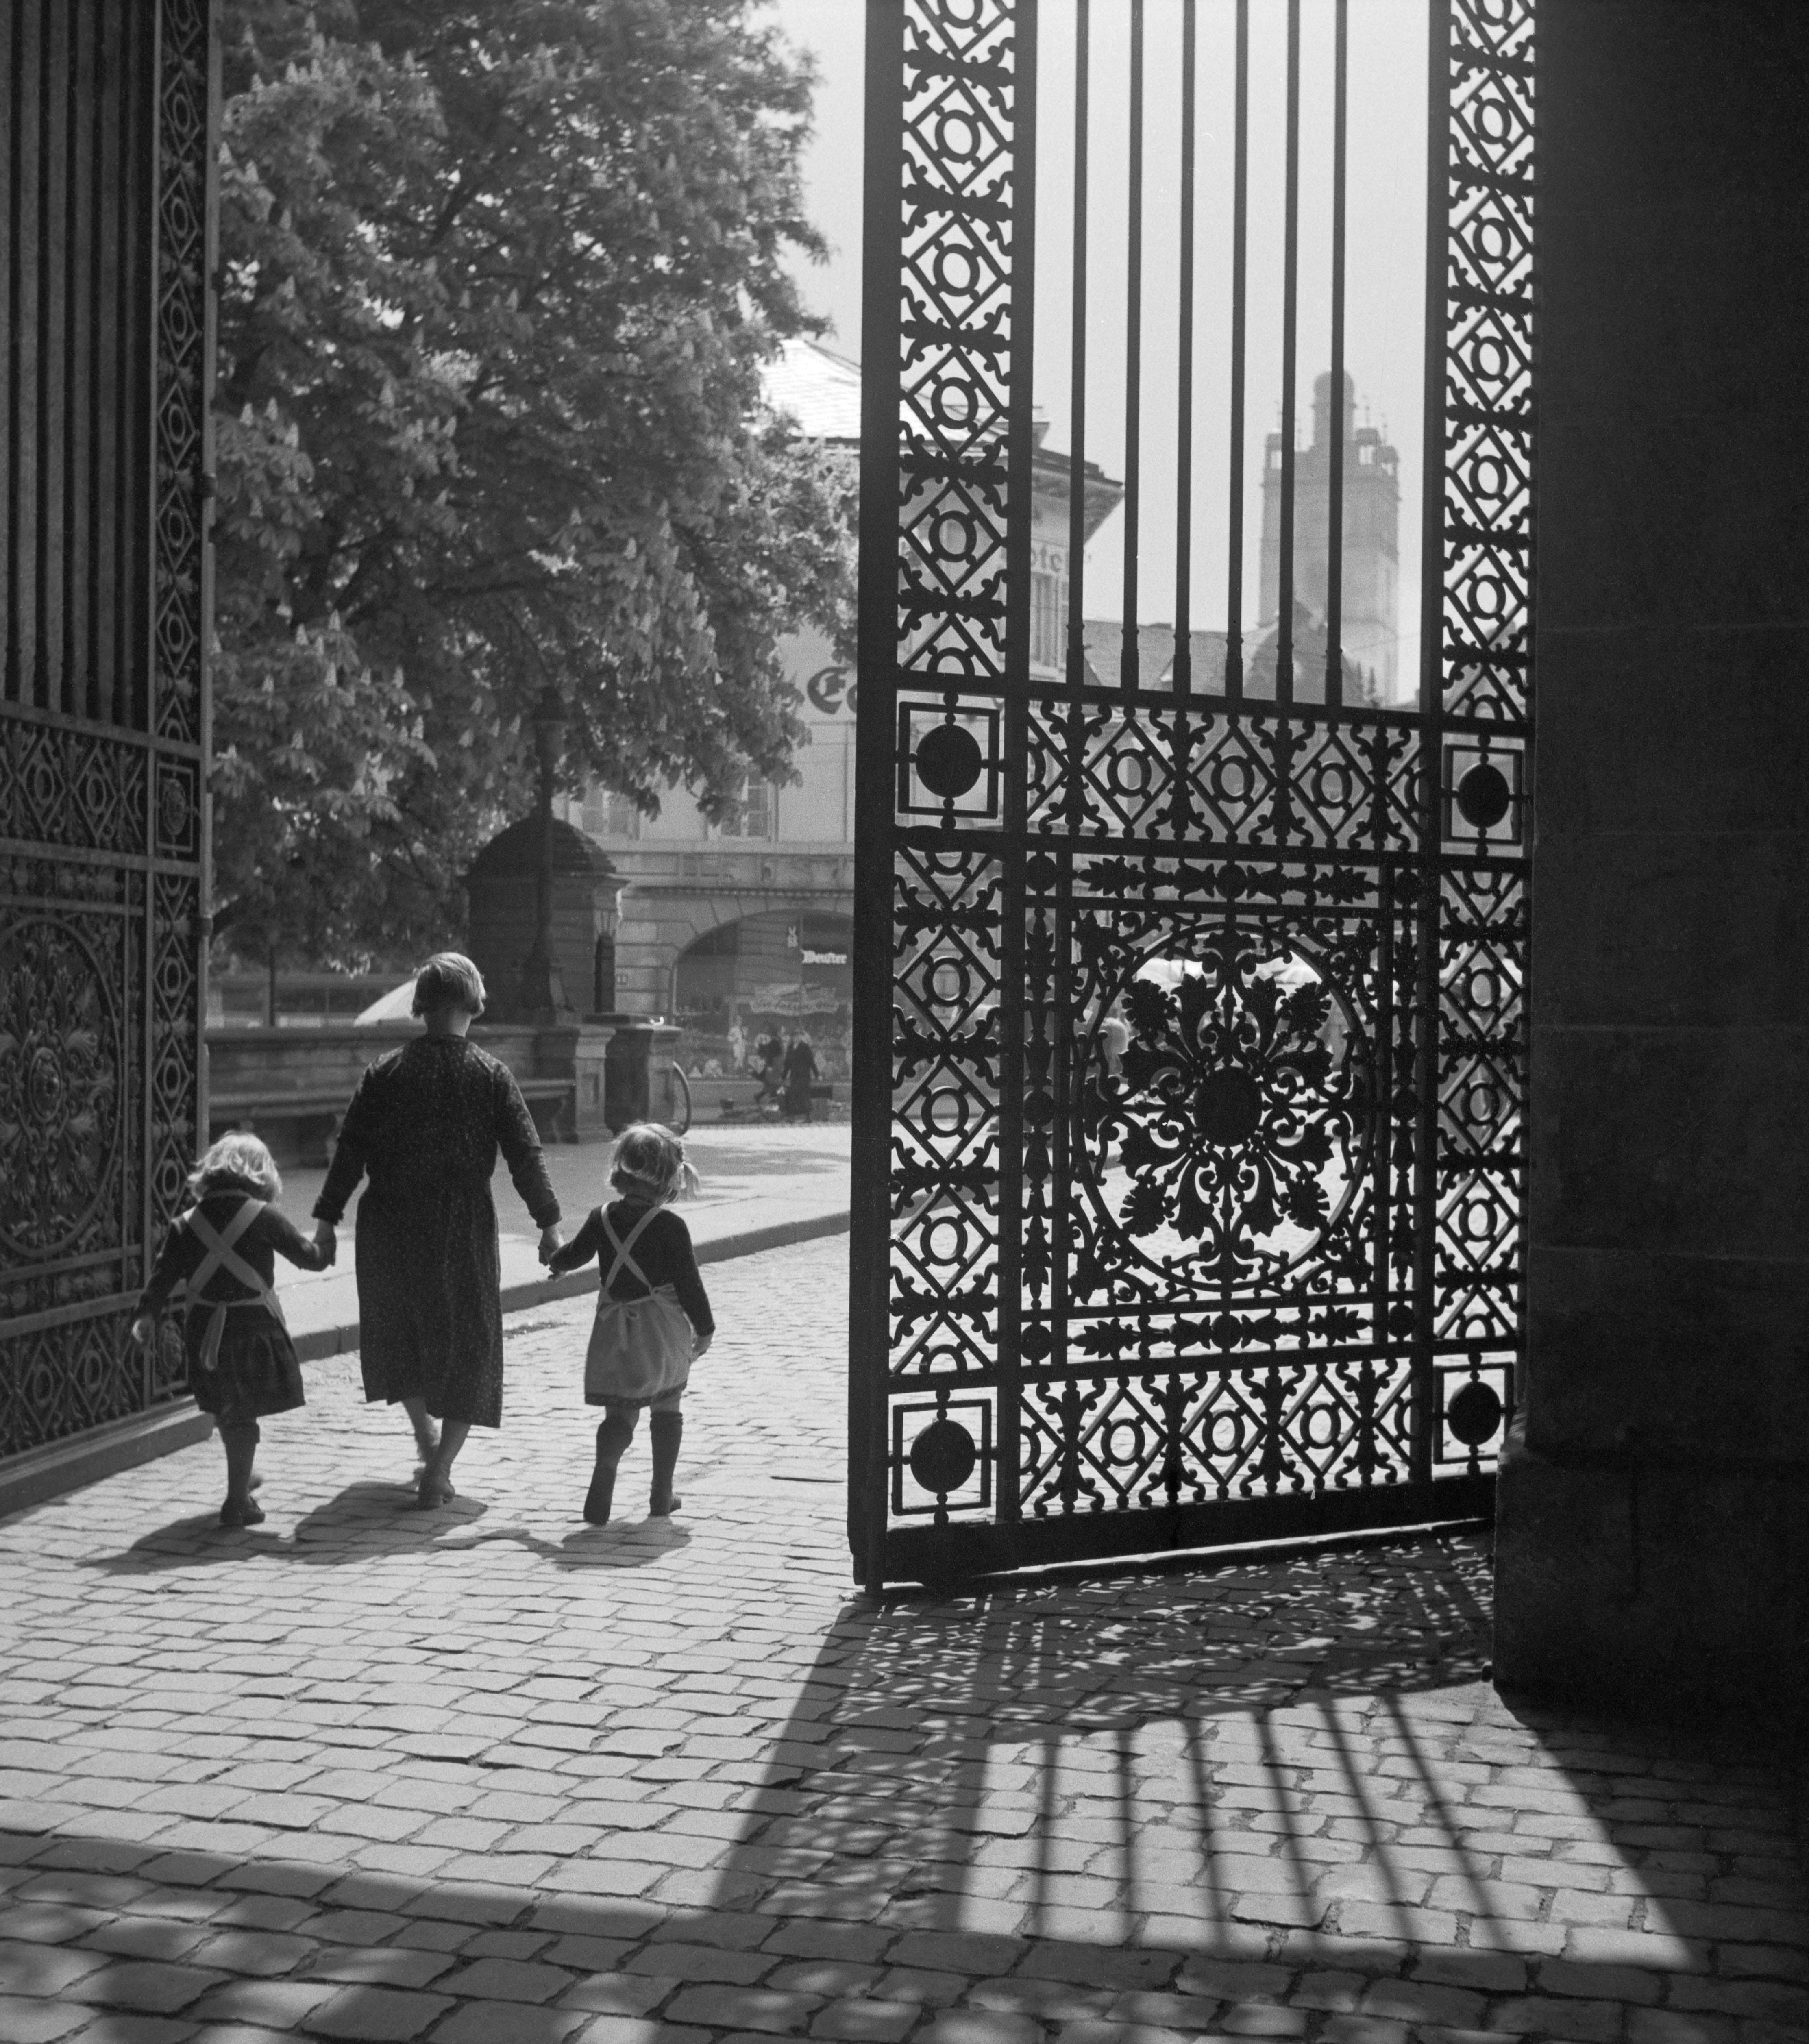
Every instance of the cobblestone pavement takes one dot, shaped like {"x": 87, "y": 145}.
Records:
{"x": 367, "y": 1773}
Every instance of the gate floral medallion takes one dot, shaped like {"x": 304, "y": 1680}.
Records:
{"x": 60, "y": 1059}
{"x": 1233, "y": 1130}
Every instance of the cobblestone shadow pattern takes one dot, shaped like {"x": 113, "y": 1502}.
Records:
{"x": 492, "y": 1774}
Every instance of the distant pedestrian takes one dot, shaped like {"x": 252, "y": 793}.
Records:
{"x": 1114, "y": 1039}
{"x": 426, "y": 1122}
{"x": 772, "y": 1068}
{"x": 241, "y": 1363}
{"x": 801, "y": 1075}
{"x": 653, "y": 1315}
{"x": 737, "y": 1042}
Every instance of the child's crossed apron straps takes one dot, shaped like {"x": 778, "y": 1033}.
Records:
{"x": 221, "y": 1255}
{"x": 622, "y": 1249}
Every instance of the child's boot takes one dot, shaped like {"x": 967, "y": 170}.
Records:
{"x": 612, "y": 1438}
{"x": 667, "y": 1430}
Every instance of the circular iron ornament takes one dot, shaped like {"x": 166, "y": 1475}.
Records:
{"x": 948, "y": 760}
{"x": 175, "y": 808}
{"x": 1230, "y": 1135}
{"x": 943, "y": 1456}
{"x": 1473, "y": 1414}
{"x": 1484, "y": 796}
{"x": 61, "y": 1066}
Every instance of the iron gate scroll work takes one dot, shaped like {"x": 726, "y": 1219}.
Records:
{"x": 1249, "y": 1265}
{"x": 104, "y": 454}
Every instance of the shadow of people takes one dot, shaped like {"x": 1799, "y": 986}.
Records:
{"x": 364, "y": 1519}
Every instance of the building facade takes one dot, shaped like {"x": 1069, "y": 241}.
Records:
{"x": 741, "y": 931}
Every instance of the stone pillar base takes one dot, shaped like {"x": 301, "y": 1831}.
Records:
{"x": 1663, "y": 1591}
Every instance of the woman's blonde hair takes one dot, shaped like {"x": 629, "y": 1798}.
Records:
{"x": 239, "y": 1155}
{"x": 448, "y": 980}
{"x": 651, "y": 1160}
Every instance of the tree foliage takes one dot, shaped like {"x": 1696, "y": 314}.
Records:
{"x": 497, "y": 279}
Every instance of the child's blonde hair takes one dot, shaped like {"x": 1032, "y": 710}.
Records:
{"x": 239, "y": 1155}
{"x": 651, "y": 1160}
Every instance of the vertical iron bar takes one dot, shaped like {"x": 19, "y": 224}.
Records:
{"x": 1290, "y": 321}
{"x": 1335, "y": 489}
{"x": 1078, "y": 362}
{"x": 1020, "y": 519}
{"x": 1431, "y": 701}
{"x": 1240, "y": 250}
{"x": 1129, "y": 666}
{"x": 1184, "y": 424}
{"x": 870, "y": 1244}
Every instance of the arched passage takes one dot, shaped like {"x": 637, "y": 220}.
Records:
{"x": 780, "y": 972}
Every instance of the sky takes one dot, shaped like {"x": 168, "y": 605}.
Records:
{"x": 1386, "y": 185}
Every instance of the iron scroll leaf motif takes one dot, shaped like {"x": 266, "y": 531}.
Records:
{"x": 60, "y": 1052}
{"x": 1235, "y": 1122}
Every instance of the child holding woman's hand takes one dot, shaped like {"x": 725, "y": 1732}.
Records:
{"x": 653, "y": 1315}
{"x": 241, "y": 1363}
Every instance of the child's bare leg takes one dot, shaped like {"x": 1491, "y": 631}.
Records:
{"x": 665, "y": 1431}
{"x": 241, "y": 1445}
{"x": 612, "y": 1438}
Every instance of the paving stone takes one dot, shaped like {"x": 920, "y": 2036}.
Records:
{"x": 382, "y": 2014}
{"x": 861, "y": 2022}
{"x": 26, "y": 2020}
{"x": 509, "y": 2022}
{"x": 765, "y": 2009}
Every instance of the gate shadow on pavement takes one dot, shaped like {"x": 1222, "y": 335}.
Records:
{"x": 366, "y": 1519}
{"x": 1274, "y": 1796}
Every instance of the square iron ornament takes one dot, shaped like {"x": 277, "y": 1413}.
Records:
{"x": 944, "y": 1465}
{"x": 950, "y": 765}
{"x": 1482, "y": 793}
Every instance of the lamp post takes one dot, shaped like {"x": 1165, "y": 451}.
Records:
{"x": 544, "y": 999}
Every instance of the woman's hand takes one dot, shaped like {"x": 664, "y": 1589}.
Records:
{"x": 700, "y": 1345}
{"x": 326, "y": 1241}
{"x": 143, "y": 1328}
{"x": 551, "y": 1240}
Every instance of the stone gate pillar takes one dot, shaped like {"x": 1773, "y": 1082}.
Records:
{"x": 1654, "y": 1521}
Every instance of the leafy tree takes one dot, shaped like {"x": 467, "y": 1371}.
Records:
{"x": 497, "y": 279}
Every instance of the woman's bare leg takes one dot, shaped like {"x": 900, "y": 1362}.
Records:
{"x": 426, "y": 1440}
{"x": 437, "y": 1478}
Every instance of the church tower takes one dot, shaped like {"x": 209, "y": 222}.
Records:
{"x": 1372, "y": 519}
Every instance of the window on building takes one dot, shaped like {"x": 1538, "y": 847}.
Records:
{"x": 1048, "y": 618}
{"x": 606, "y": 814}
{"x": 760, "y": 806}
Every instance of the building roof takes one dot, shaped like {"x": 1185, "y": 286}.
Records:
{"x": 821, "y": 391}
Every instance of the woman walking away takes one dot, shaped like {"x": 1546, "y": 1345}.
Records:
{"x": 653, "y": 1317}
{"x": 241, "y": 1363}
{"x": 426, "y": 1122}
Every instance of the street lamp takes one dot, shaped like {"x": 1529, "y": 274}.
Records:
{"x": 544, "y": 999}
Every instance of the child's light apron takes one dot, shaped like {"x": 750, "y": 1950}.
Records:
{"x": 640, "y": 1349}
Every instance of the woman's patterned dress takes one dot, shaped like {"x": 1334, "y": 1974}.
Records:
{"x": 427, "y": 1122}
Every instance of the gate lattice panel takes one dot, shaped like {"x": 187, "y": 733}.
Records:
{"x": 103, "y": 715}
{"x": 1192, "y": 1043}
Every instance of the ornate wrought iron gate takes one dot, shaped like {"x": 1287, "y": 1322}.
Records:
{"x": 104, "y": 460}
{"x": 1191, "y": 1033}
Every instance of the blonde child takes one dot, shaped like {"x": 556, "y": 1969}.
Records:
{"x": 241, "y": 1363}
{"x": 653, "y": 1316}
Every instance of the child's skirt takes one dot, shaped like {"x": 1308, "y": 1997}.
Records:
{"x": 252, "y": 1370}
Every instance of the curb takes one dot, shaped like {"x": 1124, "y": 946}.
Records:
{"x": 320, "y": 1342}
{"x": 42, "y": 1473}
